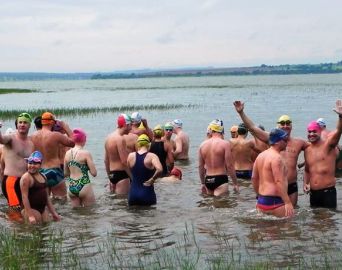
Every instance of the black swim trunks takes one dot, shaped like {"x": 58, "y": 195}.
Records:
{"x": 292, "y": 188}
{"x": 214, "y": 181}
{"x": 323, "y": 198}
{"x": 243, "y": 174}
{"x": 116, "y": 176}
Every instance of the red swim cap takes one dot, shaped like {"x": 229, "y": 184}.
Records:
{"x": 176, "y": 172}
{"x": 123, "y": 119}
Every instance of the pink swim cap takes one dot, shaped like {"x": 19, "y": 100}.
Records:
{"x": 78, "y": 135}
{"x": 313, "y": 125}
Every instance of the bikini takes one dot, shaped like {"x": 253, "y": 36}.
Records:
{"x": 76, "y": 185}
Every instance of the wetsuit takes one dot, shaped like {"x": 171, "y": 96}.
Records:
{"x": 214, "y": 181}
{"x": 323, "y": 198}
{"x": 37, "y": 195}
{"x": 158, "y": 149}
{"x": 11, "y": 189}
{"x": 138, "y": 193}
{"x": 76, "y": 185}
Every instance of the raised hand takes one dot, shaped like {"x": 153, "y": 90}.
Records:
{"x": 239, "y": 105}
{"x": 338, "y": 108}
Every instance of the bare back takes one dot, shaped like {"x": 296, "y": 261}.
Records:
{"x": 116, "y": 152}
{"x": 182, "y": 142}
{"x": 242, "y": 151}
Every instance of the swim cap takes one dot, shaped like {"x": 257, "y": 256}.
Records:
{"x": 242, "y": 130}
{"x": 284, "y": 118}
{"x": 123, "y": 119}
{"x": 36, "y": 157}
{"x": 313, "y": 125}
{"x": 176, "y": 172}
{"x": 177, "y": 123}
{"x": 78, "y": 135}
{"x": 321, "y": 122}
{"x": 38, "y": 122}
{"x": 168, "y": 126}
{"x": 216, "y": 125}
{"x": 158, "y": 131}
{"x": 48, "y": 118}
{"x": 143, "y": 140}
{"x": 234, "y": 128}
{"x": 136, "y": 117}
{"x": 276, "y": 135}
{"x": 25, "y": 117}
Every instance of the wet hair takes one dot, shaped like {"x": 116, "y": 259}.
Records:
{"x": 16, "y": 123}
{"x": 38, "y": 122}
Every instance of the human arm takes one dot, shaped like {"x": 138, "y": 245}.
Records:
{"x": 158, "y": 169}
{"x": 169, "y": 157}
{"x": 255, "y": 178}
{"x": 25, "y": 183}
{"x": 178, "y": 147}
{"x": 64, "y": 140}
{"x": 66, "y": 128}
{"x": 335, "y": 136}
{"x": 65, "y": 166}
{"x": 4, "y": 139}
{"x": 256, "y": 131}
{"x": 306, "y": 179}
{"x": 91, "y": 164}
{"x": 51, "y": 208}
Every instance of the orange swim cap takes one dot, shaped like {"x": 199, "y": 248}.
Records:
{"x": 48, "y": 118}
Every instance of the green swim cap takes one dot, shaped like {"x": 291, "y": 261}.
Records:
{"x": 25, "y": 117}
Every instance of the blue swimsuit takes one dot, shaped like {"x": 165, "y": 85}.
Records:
{"x": 138, "y": 193}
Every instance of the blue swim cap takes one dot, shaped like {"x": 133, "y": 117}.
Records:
{"x": 277, "y": 135}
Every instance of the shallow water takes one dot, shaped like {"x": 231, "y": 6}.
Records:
{"x": 231, "y": 221}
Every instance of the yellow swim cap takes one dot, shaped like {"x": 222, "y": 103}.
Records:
{"x": 216, "y": 125}
{"x": 158, "y": 131}
{"x": 284, "y": 118}
{"x": 143, "y": 140}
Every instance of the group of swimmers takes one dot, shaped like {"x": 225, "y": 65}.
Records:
{"x": 33, "y": 167}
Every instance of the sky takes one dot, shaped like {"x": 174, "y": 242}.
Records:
{"x": 114, "y": 35}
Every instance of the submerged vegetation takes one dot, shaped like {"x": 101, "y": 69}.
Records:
{"x": 15, "y": 91}
{"x": 11, "y": 114}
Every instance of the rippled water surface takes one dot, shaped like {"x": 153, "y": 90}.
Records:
{"x": 229, "y": 223}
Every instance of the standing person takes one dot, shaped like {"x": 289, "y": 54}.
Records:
{"x": 116, "y": 154}
{"x": 216, "y": 163}
{"x": 182, "y": 141}
{"x": 233, "y": 131}
{"x": 77, "y": 163}
{"x": 49, "y": 143}
{"x": 162, "y": 149}
{"x": 35, "y": 193}
{"x": 291, "y": 153}
{"x": 145, "y": 168}
{"x": 324, "y": 131}
{"x": 168, "y": 131}
{"x": 140, "y": 126}
{"x": 242, "y": 151}
{"x": 320, "y": 157}
{"x": 17, "y": 146}
{"x": 269, "y": 177}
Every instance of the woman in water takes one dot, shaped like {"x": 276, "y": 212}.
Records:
{"x": 145, "y": 168}
{"x": 77, "y": 163}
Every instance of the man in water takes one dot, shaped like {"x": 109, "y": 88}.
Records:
{"x": 269, "y": 177}
{"x": 324, "y": 131}
{"x": 291, "y": 153}
{"x": 216, "y": 163}
{"x": 320, "y": 157}
{"x": 242, "y": 151}
{"x": 116, "y": 154}
{"x": 140, "y": 126}
{"x": 168, "y": 131}
{"x": 17, "y": 146}
{"x": 233, "y": 132}
{"x": 182, "y": 141}
{"x": 49, "y": 142}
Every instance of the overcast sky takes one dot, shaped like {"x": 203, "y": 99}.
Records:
{"x": 108, "y": 35}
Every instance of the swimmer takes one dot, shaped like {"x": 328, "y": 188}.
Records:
{"x": 182, "y": 141}
{"x": 140, "y": 125}
{"x": 174, "y": 177}
{"x": 77, "y": 163}
{"x": 233, "y": 132}
{"x": 168, "y": 131}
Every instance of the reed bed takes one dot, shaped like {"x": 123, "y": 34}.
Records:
{"x": 15, "y": 91}
{"x": 11, "y": 114}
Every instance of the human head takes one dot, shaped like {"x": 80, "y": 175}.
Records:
{"x": 314, "y": 131}
{"x": 285, "y": 123}
{"x": 143, "y": 140}
{"x": 24, "y": 117}
{"x": 35, "y": 157}
{"x": 136, "y": 118}
{"x": 168, "y": 128}
{"x": 38, "y": 122}
{"x": 79, "y": 136}
{"x": 158, "y": 132}
{"x": 23, "y": 123}
{"x": 177, "y": 123}
{"x": 277, "y": 135}
{"x": 321, "y": 123}
{"x": 124, "y": 121}
{"x": 233, "y": 131}
{"x": 216, "y": 126}
{"x": 48, "y": 119}
{"x": 176, "y": 172}
{"x": 242, "y": 130}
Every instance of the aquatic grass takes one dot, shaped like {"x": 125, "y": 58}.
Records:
{"x": 74, "y": 111}
{"x": 15, "y": 91}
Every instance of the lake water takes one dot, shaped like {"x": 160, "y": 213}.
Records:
{"x": 218, "y": 224}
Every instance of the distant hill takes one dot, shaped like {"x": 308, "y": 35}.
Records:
{"x": 147, "y": 73}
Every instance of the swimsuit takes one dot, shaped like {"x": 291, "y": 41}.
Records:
{"x": 158, "y": 149}
{"x": 269, "y": 202}
{"x": 338, "y": 171}
{"x": 11, "y": 190}
{"x": 116, "y": 176}
{"x": 292, "y": 188}
{"x": 37, "y": 195}
{"x": 244, "y": 174}
{"x": 76, "y": 185}
{"x": 323, "y": 198}
{"x": 213, "y": 182}
{"x": 138, "y": 193}
{"x": 54, "y": 176}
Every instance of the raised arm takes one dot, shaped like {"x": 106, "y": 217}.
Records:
{"x": 256, "y": 131}
{"x": 334, "y": 138}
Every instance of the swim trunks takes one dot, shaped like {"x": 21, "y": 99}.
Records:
{"x": 213, "y": 182}
{"x": 116, "y": 176}
{"x": 54, "y": 176}
{"x": 292, "y": 188}
{"x": 269, "y": 202}
{"x": 323, "y": 198}
{"x": 244, "y": 174}
{"x": 11, "y": 190}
